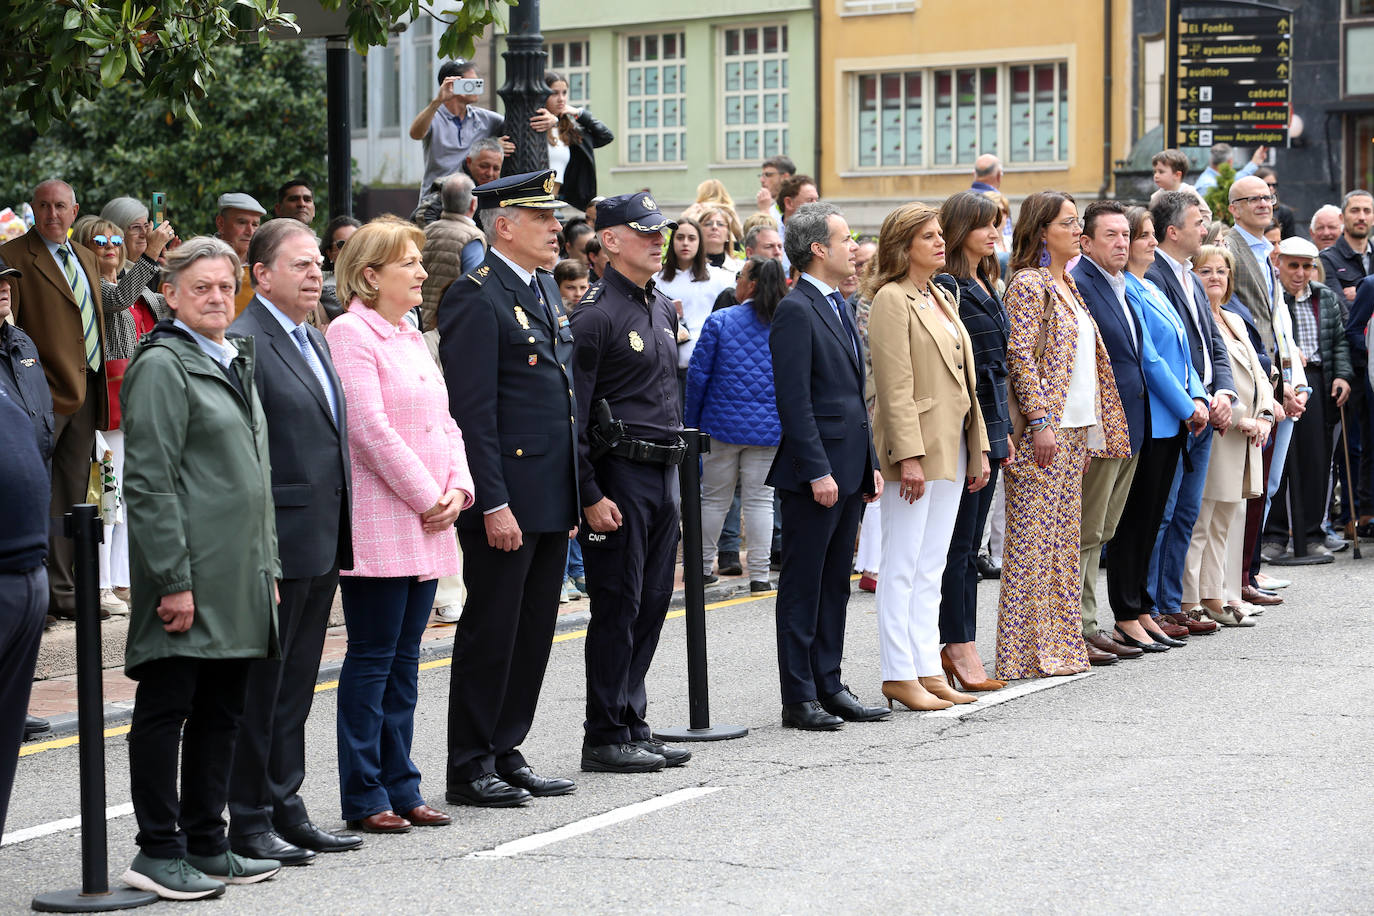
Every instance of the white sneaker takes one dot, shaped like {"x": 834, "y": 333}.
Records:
{"x": 110, "y": 603}
{"x": 449, "y": 613}
{"x": 563, "y": 596}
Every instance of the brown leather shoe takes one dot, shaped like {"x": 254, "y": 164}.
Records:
{"x": 1255, "y": 596}
{"x": 1104, "y": 643}
{"x": 425, "y": 816}
{"x": 381, "y": 822}
{"x": 1196, "y": 625}
{"x": 1097, "y": 658}
{"x": 1171, "y": 629}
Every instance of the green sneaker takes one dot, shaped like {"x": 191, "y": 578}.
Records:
{"x": 235, "y": 869}
{"x": 171, "y": 879}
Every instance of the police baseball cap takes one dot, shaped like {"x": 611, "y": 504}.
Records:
{"x": 637, "y": 210}
{"x": 8, "y": 271}
{"x": 531, "y": 189}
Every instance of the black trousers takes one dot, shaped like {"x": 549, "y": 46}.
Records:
{"x": 630, "y": 579}
{"x": 269, "y": 758}
{"x": 959, "y": 588}
{"x": 71, "y": 474}
{"x": 813, "y": 592}
{"x": 191, "y": 704}
{"x": 501, "y": 649}
{"x": 1308, "y": 468}
{"x": 23, "y": 604}
{"x": 1128, "y": 553}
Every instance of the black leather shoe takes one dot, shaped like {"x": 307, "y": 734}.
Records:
{"x": 672, "y": 756}
{"x": 35, "y": 726}
{"x": 267, "y": 845}
{"x": 620, "y": 758}
{"x": 538, "y": 786}
{"x": 486, "y": 791}
{"x": 986, "y": 568}
{"x": 1134, "y": 643}
{"x": 847, "y": 706}
{"x": 810, "y": 716}
{"x": 1164, "y": 640}
{"x": 307, "y": 836}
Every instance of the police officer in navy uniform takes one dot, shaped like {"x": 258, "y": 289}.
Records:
{"x": 625, "y": 353}
{"x": 506, "y": 347}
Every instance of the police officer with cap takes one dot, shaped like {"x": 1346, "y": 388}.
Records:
{"x": 625, "y": 374}
{"x": 506, "y": 347}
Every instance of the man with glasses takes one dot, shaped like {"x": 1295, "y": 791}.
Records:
{"x": 1283, "y": 214}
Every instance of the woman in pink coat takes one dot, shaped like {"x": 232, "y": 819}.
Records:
{"x": 410, "y": 480}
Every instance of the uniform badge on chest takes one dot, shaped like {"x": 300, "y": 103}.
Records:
{"x": 534, "y": 358}
{"x": 522, "y": 318}
{"x": 636, "y": 342}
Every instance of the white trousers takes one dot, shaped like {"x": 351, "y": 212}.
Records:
{"x": 721, "y": 467}
{"x": 114, "y": 553}
{"x": 916, "y": 540}
{"x": 450, "y": 591}
{"x": 870, "y": 554}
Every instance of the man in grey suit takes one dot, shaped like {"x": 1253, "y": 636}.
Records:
{"x": 308, "y": 441}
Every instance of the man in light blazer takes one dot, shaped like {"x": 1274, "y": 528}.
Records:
{"x": 824, "y": 471}
{"x": 1180, "y": 228}
{"x": 303, "y": 402}
{"x": 56, "y": 302}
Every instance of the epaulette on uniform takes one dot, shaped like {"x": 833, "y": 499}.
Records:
{"x": 593, "y": 292}
{"x": 479, "y": 275}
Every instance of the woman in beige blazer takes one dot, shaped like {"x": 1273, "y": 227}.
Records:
{"x": 931, "y": 441}
{"x": 1212, "y": 575}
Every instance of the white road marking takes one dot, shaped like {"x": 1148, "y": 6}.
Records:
{"x": 587, "y": 825}
{"x": 1006, "y": 693}
{"x": 67, "y": 823}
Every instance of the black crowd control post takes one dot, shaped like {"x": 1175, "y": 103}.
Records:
{"x": 84, "y": 527}
{"x": 694, "y": 589}
{"x": 1297, "y": 525}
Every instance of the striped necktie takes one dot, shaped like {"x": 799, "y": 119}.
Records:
{"x": 313, "y": 361}
{"x": 89, "y": 330}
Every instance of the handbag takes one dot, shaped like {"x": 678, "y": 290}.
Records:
{"x": 114, "y": 381}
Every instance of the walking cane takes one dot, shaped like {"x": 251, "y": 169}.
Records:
{"x": 1349, "y": 487}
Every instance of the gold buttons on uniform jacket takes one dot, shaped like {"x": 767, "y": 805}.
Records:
{"x": 519, "y": 452}
{"x": 531, "y": 340}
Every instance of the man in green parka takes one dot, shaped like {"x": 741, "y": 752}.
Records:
{"x": 203, "y": 546}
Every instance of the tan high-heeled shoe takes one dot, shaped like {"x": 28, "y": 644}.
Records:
{"x": 952, "y": 675}
{"x": 936, "y": 685}
{"x": 913, "y": 696}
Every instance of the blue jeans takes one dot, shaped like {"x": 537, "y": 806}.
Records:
{"x": 574, "y": 569}
{"x": 1176, "y": 531}
{"x": 377, "y": 693}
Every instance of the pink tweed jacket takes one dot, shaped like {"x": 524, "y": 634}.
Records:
{"x": 405, "y": 448}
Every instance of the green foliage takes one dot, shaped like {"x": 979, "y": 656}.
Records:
{"x": 261, "y": 123}
{"x": 58, "y": 51}
{"x": 1218, "y": 197}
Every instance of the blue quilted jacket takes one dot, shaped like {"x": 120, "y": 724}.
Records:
{"x": 730, "y": 380}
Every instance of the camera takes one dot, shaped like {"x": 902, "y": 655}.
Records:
{"x": 467, "y": 85}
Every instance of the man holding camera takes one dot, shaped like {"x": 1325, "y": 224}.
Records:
{"x": 452, "y": 122}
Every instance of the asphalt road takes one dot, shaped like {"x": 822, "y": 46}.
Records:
{"x": 1228, "y": 775}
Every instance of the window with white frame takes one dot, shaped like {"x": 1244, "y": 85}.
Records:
{"x": 946, "y": 117}
{"x": 357, "y": 91}
{"x": 572, "y": 59}
{"x": 755, "y": 97}
{"x": 655, "y": 98}
{"x": 422, "y": 60}
{"x": 874, "y": 7}
{"x": 390, "y": 87}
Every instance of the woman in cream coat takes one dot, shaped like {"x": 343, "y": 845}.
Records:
{"x": 928, "y": 431}
{"x": 1212, "y": 573}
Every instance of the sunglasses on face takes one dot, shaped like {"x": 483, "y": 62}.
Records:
{"x": 338, "y": 244}
{"x": 101, "y": 241}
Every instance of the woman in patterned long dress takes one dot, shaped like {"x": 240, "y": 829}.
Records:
{"x": 1066, "y": 408}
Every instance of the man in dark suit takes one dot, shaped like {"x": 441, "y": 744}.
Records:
{"x": 308, "y": 440}
{"x": 1108, "y": 483}
{"x": 1180, "y": 228}
{"x": 57, "y": 303}
{"x": 825, "y": 469}
{"x": 506, "y": 346}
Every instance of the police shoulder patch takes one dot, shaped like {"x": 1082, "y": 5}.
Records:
{"x": 593, "y": 293}
{"x": 479, "y": 275}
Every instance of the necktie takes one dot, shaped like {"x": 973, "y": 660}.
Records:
{"x": 313, "y": 361}
{"x": 83, "y": 302}
{"x": 539, "y": 295}
{"x": 842, "y": 312}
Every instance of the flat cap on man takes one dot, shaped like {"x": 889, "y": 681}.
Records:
{"x": 637, "y": 210}
{"x": 1297, "y": 247}
{"x": 8, "y": 271}
{"x": 235, "y": 200}
{"x": 530, "y": 189}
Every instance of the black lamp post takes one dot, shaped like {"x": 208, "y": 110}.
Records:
{"x": 524, "y": 91}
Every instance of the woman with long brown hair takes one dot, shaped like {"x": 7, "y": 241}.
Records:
{"x": 1065, "y": 406}
{"x": 929, "y": 434}
{"x": 574, "y": 136}
{"x": 970, "y": 221}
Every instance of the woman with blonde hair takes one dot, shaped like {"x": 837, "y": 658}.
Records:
{"x": 1066, "y": 407}
{"x": 410, "y": 480}
{"x": 720, "y": 238}
{"x": 1213, "y": 574}
{"x": 929, "y": 434}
